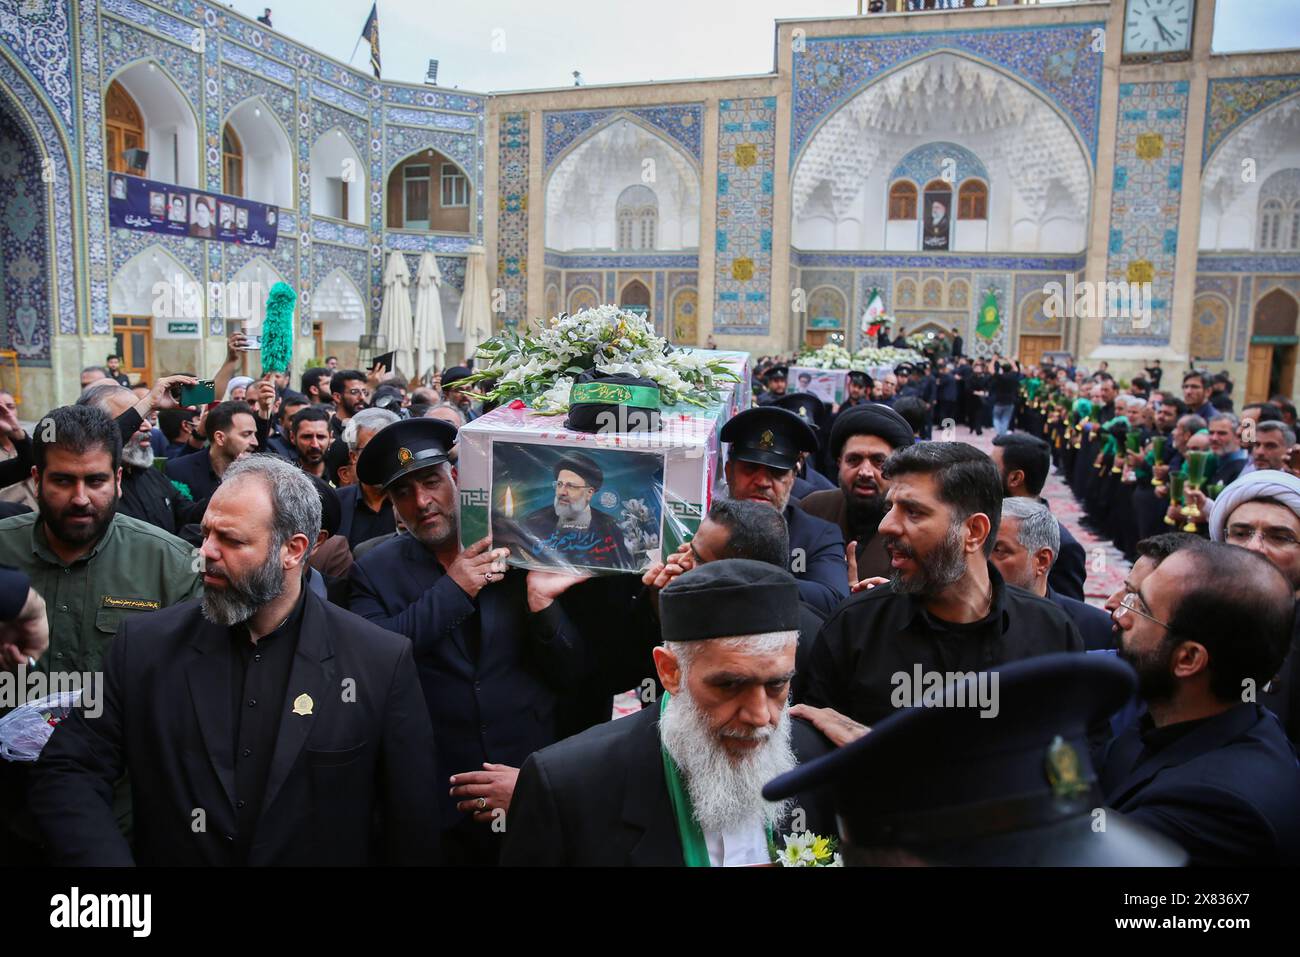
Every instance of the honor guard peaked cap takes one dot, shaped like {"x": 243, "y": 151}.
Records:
{"x": 404, "y": 447}
{"x": 768, "y": 435}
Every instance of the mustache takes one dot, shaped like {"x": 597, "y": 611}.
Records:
{"x": 893, "y": 544}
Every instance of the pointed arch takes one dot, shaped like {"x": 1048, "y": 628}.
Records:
{"x": 338, "y": 178}
{"x": 171, "y": 128}
{"x": 339, "y": 305}
{"x": 1019, "y": 134}
{"x": 408, "y": 194}
{"x": 583, "y": 185}
{"x": 268, "y": 163}
{"x": 253, "y": 282}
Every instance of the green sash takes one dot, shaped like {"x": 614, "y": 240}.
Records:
{"x": 694, "y": 851}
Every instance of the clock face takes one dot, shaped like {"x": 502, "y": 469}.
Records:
{"x": 1158, "y": 26}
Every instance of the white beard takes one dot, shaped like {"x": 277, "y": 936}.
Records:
{"x": 139, "y": 456}
{"x": 570, "y": 513}
{"x": 726, "y": 792}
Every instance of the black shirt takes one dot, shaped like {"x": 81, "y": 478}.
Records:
{"x": 147, "y": 494}
{"x": 259, "y": 681}
{"x": 878, "y": 634}
{"x": 1155, "y": 740}
{"x": 368, "y": 524}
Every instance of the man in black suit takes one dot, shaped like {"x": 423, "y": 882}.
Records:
{"x": 1027, "y": 543}
{"x": 232, "y": 433}
{"x": 258, "y": 725}
{"x": 765, "y": 447}
{"x": 681, "y": 783}
{"x": 494, "y": 650}
{"x": 1207, "y": 765}
{"x": 1024, "y": 462}
{"x": 364, "y": 510}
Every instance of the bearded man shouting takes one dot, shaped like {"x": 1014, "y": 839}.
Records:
{"x": 681, "y": 782}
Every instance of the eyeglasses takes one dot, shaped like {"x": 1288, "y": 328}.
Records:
{"x": 357, "y": 393}
{"x": 568, "y": 487}
{"x": 1243, "y": 535}
{"x": 1130, "y": 603}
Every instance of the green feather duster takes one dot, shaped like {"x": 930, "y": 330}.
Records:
{"x": 277, "y": 331}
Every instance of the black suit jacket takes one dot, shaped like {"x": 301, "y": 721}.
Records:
{"x": 1093, "y": 623}
{"x": 196, "y": 472}
{"x": 496, "y": 705}
{"x": 1228, "y": 791}
{"x": 1070, "y": 570}
{"x": 349, "y": 784}
{"x": 599, "y": 799}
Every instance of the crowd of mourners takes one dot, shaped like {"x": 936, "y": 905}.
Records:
{"x": 292, "y": 657}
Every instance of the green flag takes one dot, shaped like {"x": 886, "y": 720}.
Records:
{"x": 989, "y": 322}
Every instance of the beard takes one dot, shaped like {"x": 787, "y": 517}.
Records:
{"x": 59, "y": 525}
{"x": 242, "y": 598}
{"x": 864, "y": 515}
{"x": 137, "y": 455}
{"x": 1155, "y": 682}
{"x": 569, "y": 512}
{"x": 942, "y": 567}
{"x": 726, "y": 791}
{"x": 436, "y": 535}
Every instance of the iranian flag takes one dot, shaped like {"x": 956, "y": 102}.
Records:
{"x": 871, "y": 315}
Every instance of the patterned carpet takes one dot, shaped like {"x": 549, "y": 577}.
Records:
{"x": 1107, "y": 568}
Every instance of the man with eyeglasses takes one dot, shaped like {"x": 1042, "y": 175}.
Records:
{"x": 571, "y": 530}
{"x": 1261, "y": 511}
{"x": 1208, "y": 765}
{"x": 350, "y": 391}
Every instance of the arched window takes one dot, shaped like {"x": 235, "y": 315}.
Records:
{"x": 637, "y": 218}
{"x": 232, "y": 163}
{"x": 1270, "y": 224}
{"x": 973, "y": 200}
{"x": 1295, "y": 226}
{"x": 124, "y": 127}
{"x": 902, "y": 201}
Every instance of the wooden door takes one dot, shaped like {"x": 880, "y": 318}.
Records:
{"x": 1258, "y": 366}
{"x": 1032, "y": 348}
{"x": 134, "y": 335}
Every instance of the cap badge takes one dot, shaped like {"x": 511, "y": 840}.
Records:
{"x": 404, "y": 456}
{"x": 1063, "y": 771}
{"x": 766, "y": 440}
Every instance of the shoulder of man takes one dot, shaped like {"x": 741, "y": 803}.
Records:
{"x": 360, "y": 632}
{"x": 598, "y": 751}
{"x": 25, "y": 520}
{"x": 393, "y": 551}
{"x": 139, "y": 533}
{"x": 822, "y": 504}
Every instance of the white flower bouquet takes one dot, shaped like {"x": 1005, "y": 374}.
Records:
{"x": 540, "y": 367}
{"x": 806, "y": 849}
{"x": 888, "y": 356}
{"x": 827, "y": 357}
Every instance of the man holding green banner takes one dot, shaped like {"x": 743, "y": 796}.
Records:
{"x": 680, "y": 783}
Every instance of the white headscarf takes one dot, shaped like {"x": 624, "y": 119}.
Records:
{"x": 1266, "y": 483}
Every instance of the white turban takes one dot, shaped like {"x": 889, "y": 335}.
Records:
{"x": 1266, "y": 483}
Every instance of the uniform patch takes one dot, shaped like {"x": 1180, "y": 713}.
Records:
{"x": 134, "y": 604}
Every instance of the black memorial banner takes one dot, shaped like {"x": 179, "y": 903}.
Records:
{"x": 149, "y": 206}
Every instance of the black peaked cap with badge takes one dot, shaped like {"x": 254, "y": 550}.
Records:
{"x": 777, "y": 372}
{"x": 404, "y": 447}
{"x": 860, "y": 378}
{"x": 729, "y": 598}
{"x": 768, "y": 435}
{"x": 949, "y": 785}
{"x": 871, "y": 418}
{"x": 805, "y": 405}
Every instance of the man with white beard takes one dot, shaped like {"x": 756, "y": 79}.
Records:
{"x": 680, "y": 783}
{"x": 571, "y": 529}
